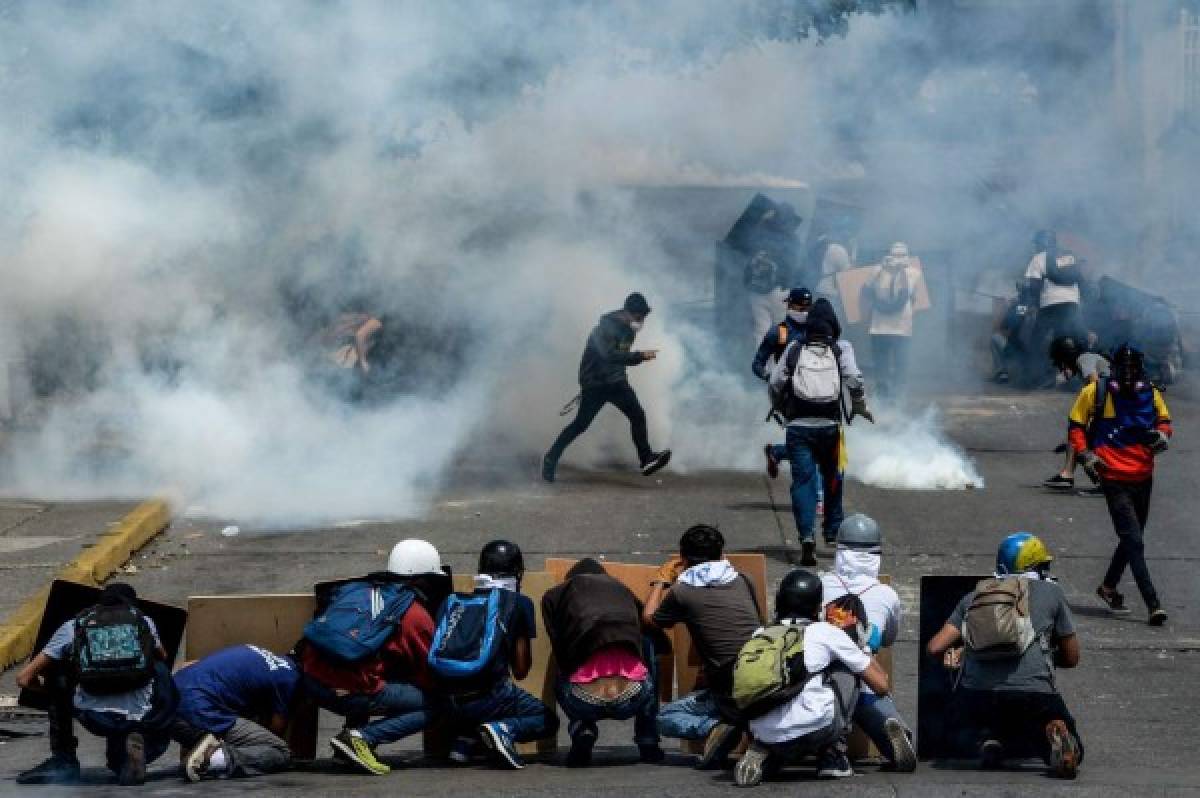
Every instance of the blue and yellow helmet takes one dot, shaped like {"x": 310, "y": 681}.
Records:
{"x": 1021, "y": 552}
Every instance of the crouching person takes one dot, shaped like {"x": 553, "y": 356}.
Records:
{"x": 233, "y": 713}
{"x": 106, "y": 667}
{"x": 805, "y": 704}
{"x": 365, "y": 654}
{"x": 1016, "y": 628}
{"x": 606, "y": 663}
{"x": 702, "y": 589}
{"x": 856, "y": 573}
{"x": 481, "y": 645}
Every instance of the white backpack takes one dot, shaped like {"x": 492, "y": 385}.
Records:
{"x": 816, "y": 378}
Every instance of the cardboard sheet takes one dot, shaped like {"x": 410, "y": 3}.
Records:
{"x": 850, "y": 288}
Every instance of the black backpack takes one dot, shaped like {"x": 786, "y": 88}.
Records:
{"x": 895, "y": 299}
{"x": 1061, "y": 268}
{"x": 114, "y": 649}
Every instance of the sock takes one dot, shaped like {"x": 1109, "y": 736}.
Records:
{"x": 218, "y": 762}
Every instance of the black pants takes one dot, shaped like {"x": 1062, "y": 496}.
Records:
{"x": 1017, "y": 719}
{"x": 592, "y": 399}
{"x": 889, "y": 356}
{"x": 1129, "y": 507}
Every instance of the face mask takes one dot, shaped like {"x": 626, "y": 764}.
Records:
{"x": 798, "y": 316}
{"x": 635, "y": 325}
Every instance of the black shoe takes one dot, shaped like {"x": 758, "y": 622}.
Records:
{"x": 1059, "y": 482}
{"x": 656, "y": 461}
{"x": 1113, "y": 600}
{"x": 833, "y": 763}
{"x": 991, "y": 755}
{"x": 1158, "y": 616}
{"x": 57, "y": 769}
{"x": 133, "y": 770}
{"x": 772, "y": 463}
{"x": 1001, "y": 378}
{"x": 718, "y": 745}
{"x": 548, "y": 465}
{"x": 808, "y": 553}
{"x": 583, "y": 737}
{"x": 651, "y": 753}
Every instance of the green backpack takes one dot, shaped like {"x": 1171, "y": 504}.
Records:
{"x": 769, "y": 670}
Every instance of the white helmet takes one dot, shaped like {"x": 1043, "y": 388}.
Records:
{"x": 412, "y": 556}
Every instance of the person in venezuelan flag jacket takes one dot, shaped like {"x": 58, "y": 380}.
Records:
{"x": 1117, "y": 427}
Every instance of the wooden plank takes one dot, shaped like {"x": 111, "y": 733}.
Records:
{"x": 274, "y": 622}
{"x": 850, "y": 288}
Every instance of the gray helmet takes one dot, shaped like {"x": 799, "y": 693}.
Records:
{"x": 860, "y": 532}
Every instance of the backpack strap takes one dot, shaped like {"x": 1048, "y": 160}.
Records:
{"x": 783, "y": 335}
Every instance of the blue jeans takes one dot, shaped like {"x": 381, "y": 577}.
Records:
{"x": 871, "y": 713}
{"x": 691, "y": 717}
{"x": 404, "y": 710}
{"x": 643, "y": 707}
{"x": 780, "y": 453}
{"x": 813, "y": 455}
{"x": 524, "y": 715}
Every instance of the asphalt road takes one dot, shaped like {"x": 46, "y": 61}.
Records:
{"x": 1133, "y": 694}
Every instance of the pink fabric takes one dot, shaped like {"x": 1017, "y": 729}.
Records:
{"x": 611, "y": 661}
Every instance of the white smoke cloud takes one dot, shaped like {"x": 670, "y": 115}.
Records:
{"x": 194, "y": 185}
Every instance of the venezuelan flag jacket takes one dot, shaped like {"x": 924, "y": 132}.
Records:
{"x": 1119, "y": 436}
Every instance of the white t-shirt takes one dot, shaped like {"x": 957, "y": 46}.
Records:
{"x": 813, "y": 709}
{"x": 1052, "y": 292}
{"x": 897, "y": 322}
{"x": 836, "y": 259}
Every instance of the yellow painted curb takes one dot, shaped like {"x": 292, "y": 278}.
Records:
{"x": 94, "y": 564}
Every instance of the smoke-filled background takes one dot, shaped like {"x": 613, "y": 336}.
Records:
{"x": 194, "y": 191}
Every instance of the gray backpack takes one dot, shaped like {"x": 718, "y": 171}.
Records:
{"x": 997, "y": 623}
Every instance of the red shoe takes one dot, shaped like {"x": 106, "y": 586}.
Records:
{"x": 1064, "y": 751}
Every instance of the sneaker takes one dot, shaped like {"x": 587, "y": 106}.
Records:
{"x": 195, "y": 763}
{"x": 133, "y": 769}
{"x": 651, "y": 753}
{"x": 1064, "y": 750}
{"x": 718, "y": 745}
{"x": 991, "y": 755}
{"x": 349, "y": 747}
{"x": 1158, "y": 616}
{"x": 461, "y": 750}
{"x": 833, "y": 763}
{"x": 808, "y": 552}
{"x": 496, "y": 737}
{"x": 1059, "y": 482}
{"x": 772, "y": 461}
{"x": 750, "y": 768}
{"x": 656, "y": 461}
{"x": 583, "y": 737}
{"x": 58, "y": 769}
{"x": 1000, "y": 378}
{"x": 549, "y": 464}
{"x": 904, "y": 758}
{"x": 1113, "y": 600}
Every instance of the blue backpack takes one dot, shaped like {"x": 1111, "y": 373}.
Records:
{"x": 358, "y": 620}
{"x": 470, "y": 630}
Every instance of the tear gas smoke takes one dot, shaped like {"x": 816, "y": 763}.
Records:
{"x": 195, "y": 189}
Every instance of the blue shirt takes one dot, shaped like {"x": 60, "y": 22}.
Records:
{"x": 238, "y": 682}
{"x": 523, "y": 624}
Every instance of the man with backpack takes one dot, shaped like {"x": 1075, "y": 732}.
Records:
{"x": 1016, "y": 628}
{"x": 1053, "y": 277}
{"x": 233, "y": 712}
{"x": 702, "y": 589}
{"x": 856, "y": 573}
{"x": 798, "y": 681}
{"x": 106, "y": 667}
{"x": 602, "y": 380}
{"x": 1072, "y": 360}
{"x": 807, "y": 388}
{"x": 892, "y": 292}
{"x": 365, "y": 654}
{"x": 1117, "y": 427}
{"x": 482, "y": 643}
{"x": 606, "y": 661}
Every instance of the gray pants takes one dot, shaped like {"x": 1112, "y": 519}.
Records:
{"x": 250, "y": 749}
{"x": 845, "y": 688}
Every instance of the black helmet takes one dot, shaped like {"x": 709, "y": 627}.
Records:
{"x": 636, "y": 303}
{"x": 502, "y": 558}
{"x": 1045, "y": 239}
{"x": 1064, "y": 352}
{"x": 1128, "y": 366}
{"x": 799, "y": 596}
{"x": 799, "y": 296}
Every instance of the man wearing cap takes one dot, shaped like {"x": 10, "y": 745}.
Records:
{"x": 602, "y": 380}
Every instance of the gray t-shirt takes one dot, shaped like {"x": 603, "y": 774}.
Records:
{"x": 720, "y": 618}
{"x": 1032, "y": 672}
{"x": 133, "y": 705}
